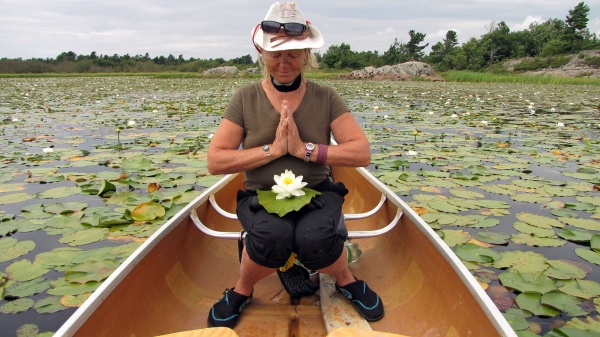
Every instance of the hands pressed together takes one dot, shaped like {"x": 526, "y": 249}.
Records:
{"x": 287, "y": 139}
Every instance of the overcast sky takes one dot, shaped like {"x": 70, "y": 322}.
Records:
{"x": 221, "y": 28}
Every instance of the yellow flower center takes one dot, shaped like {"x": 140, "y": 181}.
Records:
{"x": 288, "y": 181}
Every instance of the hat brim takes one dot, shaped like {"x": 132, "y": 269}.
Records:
{"x": 313, "y": 41}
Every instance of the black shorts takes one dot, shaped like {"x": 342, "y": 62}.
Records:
{"x": 313, "y": 234}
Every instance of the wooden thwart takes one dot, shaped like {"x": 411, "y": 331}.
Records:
{"x": 337, "y": 310}
{"x": 208, "y": 332}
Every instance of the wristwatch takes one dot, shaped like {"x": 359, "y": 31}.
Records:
{"x": 267, "y": 150}
{"x": 310, "y": 147}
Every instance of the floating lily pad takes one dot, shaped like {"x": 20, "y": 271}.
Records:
{"x": 563, "y": 302}
{"x": 27, "y": 288}
{"x": 474, "y": 253}
{"x": 90, "y": 271}
{"x": 531, "y": 303}
{"x": 10, "y": 248}
{"x": 59, "y": 192}
{"x": 84, "y": 237}
{"x": 24, "y": 270}
{"x": 49, "y": 305}
{"x": 15, "y": 198}
{"x": 492, "y": 237}
{"x": 148, "y": 211}
{"x": 455, "y": 237}
{"x": 16, "y": 306}
{"x": 580, "y": 288}
{"x": 538, "y": 285}
{"x": 582, "y": 223}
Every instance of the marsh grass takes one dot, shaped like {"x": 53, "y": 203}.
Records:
{"x": 467, "y": 76}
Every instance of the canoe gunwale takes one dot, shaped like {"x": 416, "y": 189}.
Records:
{"x": 70, "y": 327}
{"x": 486, "y": 304}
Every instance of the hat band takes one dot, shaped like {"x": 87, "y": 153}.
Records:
{"x": 286, "y": 38}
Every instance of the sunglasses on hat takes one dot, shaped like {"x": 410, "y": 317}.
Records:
{"x": 290, "y": 28}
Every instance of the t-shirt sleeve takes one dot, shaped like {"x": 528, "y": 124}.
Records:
{"x": 235, "y": 109}
{"x": 338, "y": 105}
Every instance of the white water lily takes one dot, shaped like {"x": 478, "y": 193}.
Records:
{"x": 412, "y": 153}
{"x": 210, "y": 135}
{"x": 288, "y": 185}
{"x": 454, "y": 116}
{"x": 131, "y": 123}
{"x": 484, "y": 123}
{"x": 560, "y": 124}
{"x": 47, "y": 150}
{"x": 385, "y": 116}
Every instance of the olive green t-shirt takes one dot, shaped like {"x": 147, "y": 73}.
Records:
{"x": 250, "y": 108}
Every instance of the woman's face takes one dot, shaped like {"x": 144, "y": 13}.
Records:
{"x": 285, "y": 65}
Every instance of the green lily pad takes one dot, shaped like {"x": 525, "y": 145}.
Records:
{"x": 90, "y": 271}
{"x": 538, "y": 285}
{"x": 529, "y": 264}
{"x": 107, "y": 189}
{"x": 580, "y": 288}
{"x": 466, "y": 194}
{"x": 516, "y": 322}
{"x": 28, "y": 330}
{"x": 539, "y": 220}
{"x": 575, "y": 235}
{"x": 531, "y": 303}
{"x": 474, "y": 253}
{"x": 24, "y": 270}
{"x": 61, "y": 287}
{"x": 84, "y": 237}
{"x": 61, "y": 256}
{"x": 148, "y": 211}
{"x": 533, "y": 230}
{"x": 564, "y": 270}
{"x": 588, "y": 255}
{"x": 16, "y": 306}
{"x": 15, "y": 197}
{"x": 533, "y": 198}
{"x": 492, "y": 237}
{"x": 27, "y": 288}
{"x": 582, "y": 223}
{"x": 10, "y": 248}
{"x": 534, "y": 241}
{"x": 455, "y": 237}
{"x": 48, "y": 305}
{"x": 59, "y": 192}
{"x": 563, "y": 302}
{"x": 283, "y": 206}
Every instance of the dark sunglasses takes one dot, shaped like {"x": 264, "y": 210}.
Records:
{"x": 290, "y": 28}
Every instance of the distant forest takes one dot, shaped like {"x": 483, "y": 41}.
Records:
{"x": 544, "y": 42}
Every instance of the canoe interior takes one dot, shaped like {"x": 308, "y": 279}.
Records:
{"x": 174, "y": 286}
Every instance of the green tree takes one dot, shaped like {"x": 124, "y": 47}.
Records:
{"x": 577, "y": 25}
{"x": 542, "y": 33}
{"x": 341, "y": 57}
{"x": 66, "y": 56}
{"x": 414, "y": 50}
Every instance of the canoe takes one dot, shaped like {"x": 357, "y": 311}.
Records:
{"x": 170, "y": 283}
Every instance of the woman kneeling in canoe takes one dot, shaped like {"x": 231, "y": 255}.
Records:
{"x": 284, "y": 123}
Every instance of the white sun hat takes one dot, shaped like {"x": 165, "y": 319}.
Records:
{"x": 286, "y": 12}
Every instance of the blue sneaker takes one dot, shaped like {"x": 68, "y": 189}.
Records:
{"x": 363, "y": 299}
{"x": 226, "y": 312}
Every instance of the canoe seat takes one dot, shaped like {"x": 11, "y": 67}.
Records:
{"x": 351, "y": 332}
{"x": 351, "y": 234}
{"x": 208, "y": 332}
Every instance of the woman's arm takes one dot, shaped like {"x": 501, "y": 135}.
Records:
{"x": 224, "y": 155}
{"x": 353, "y": 147}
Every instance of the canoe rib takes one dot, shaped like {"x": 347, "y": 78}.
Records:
{"x": 351, "y": 234}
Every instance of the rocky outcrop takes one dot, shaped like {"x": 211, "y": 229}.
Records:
{"x": 227, "y": 70}
{"x": 399, "y": 72}
{"x": 575, "y": 68}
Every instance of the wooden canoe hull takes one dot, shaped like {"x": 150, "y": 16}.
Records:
{"x": 172, "y": 281}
